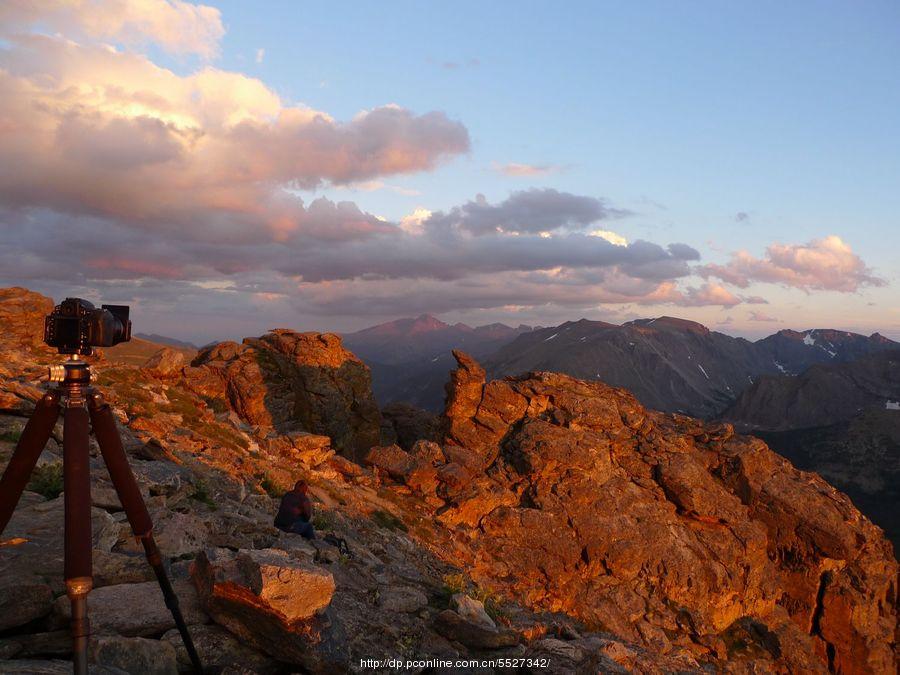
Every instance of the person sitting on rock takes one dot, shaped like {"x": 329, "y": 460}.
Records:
{"x": 295, "y": 512}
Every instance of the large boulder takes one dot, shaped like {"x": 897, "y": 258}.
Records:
{"x": 274, "y": 602}
{"x": 293, "y": 381}
{"x": 136, "y": 610}
{"x": 665, "y": 530}
{"x": 166, "y": 362}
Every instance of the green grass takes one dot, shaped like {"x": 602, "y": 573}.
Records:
{"x": 47, "y": 480}
{"x": 11, "y": 436}
{"x": 388, "y": 521}
{"x": 459, "y": 583}
{"x": 322, "y": 521}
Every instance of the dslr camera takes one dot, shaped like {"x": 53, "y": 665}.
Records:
{"x": 75, "y": 326}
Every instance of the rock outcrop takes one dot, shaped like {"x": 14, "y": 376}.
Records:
{"x": 23, "y": 313}
{"x": 674, "y": 533}
{"x": 290, "y": 381}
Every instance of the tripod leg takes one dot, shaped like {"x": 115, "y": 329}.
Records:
{"x": 28, "y": 449}
{"x": 130, "y": 495}
{"x": 77, "y": 484}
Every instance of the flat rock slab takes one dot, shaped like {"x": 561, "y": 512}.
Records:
{"x": 135, "y": 655}
{"x": 135, "y": 609}
{"x": 34, "y": 541}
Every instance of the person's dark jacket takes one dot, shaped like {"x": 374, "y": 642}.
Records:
{"x": 294, "y": 506}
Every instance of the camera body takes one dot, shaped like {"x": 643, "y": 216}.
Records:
{"x": 75, "y": 326}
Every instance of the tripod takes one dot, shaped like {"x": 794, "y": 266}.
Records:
{"x": 77, "y": 400}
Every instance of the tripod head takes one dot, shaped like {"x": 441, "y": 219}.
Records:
{"x": 73, "y": 377}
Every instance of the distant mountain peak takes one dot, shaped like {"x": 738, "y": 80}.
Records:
{"x": 671, "y": 323}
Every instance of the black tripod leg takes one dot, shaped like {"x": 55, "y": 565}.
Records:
{"x": 77, "y": 485}
{"x": 130, "y": 495}
{"x": 34, "y": 437}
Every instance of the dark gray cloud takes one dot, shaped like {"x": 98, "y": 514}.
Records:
{"x": 527, "y": 211}
{"x": 341, "y": 262}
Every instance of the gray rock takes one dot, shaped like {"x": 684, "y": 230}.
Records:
{"x": 159, "y": 477}
{"x": 403, "y": 599}
{"x": 32, "y": 667}
{"x": 23, "y": 601}
{"x": 452, "y": 626}
{"x": 135, "y": 655}
{"x": 472, "y": 610}
{"x": 112, "y": 569}
{"x": 37, "y": 645}
{"x": 35, "y": 533}
{"x": 218, "y": 648}
{"x": 134, "y": 609}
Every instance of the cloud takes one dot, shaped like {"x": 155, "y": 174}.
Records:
{"x": 178, "y": 27}
{"x": 92, "y": 131}
{"x": 822, "y": 264}
{"x": 761, "y": 317}
{"x": 709, "y": 294}
{"x": 260, "y": 55}
{"x": 527, "y": 211}
{"x": 340, "y": 250}
{"x": 185, "y": 191}
{"x": 528, "y": 170}
{"x": 456, "y": 65}
{"x": 741, "y": 217}
{"x": 611, "y": 237}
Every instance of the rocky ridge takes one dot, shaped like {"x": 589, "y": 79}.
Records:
{"x": 545, "y": 517}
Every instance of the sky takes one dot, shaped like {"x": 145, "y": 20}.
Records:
{"x": 227, "y": 168}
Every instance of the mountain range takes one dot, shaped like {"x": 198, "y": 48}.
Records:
{"x": 410, "y": 358}
{"x": 670, "y": 364}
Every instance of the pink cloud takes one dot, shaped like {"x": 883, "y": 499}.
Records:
{"x": 710, "y": 294}
{"x": 762, "y": 317}
{"x": 822, "y": 264}
{"x": 89, "y": 130}
{"x": 178, "y": 27}
{"x": 517, "y": 169}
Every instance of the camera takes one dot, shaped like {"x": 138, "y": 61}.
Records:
{"x": 75, "y": 326}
